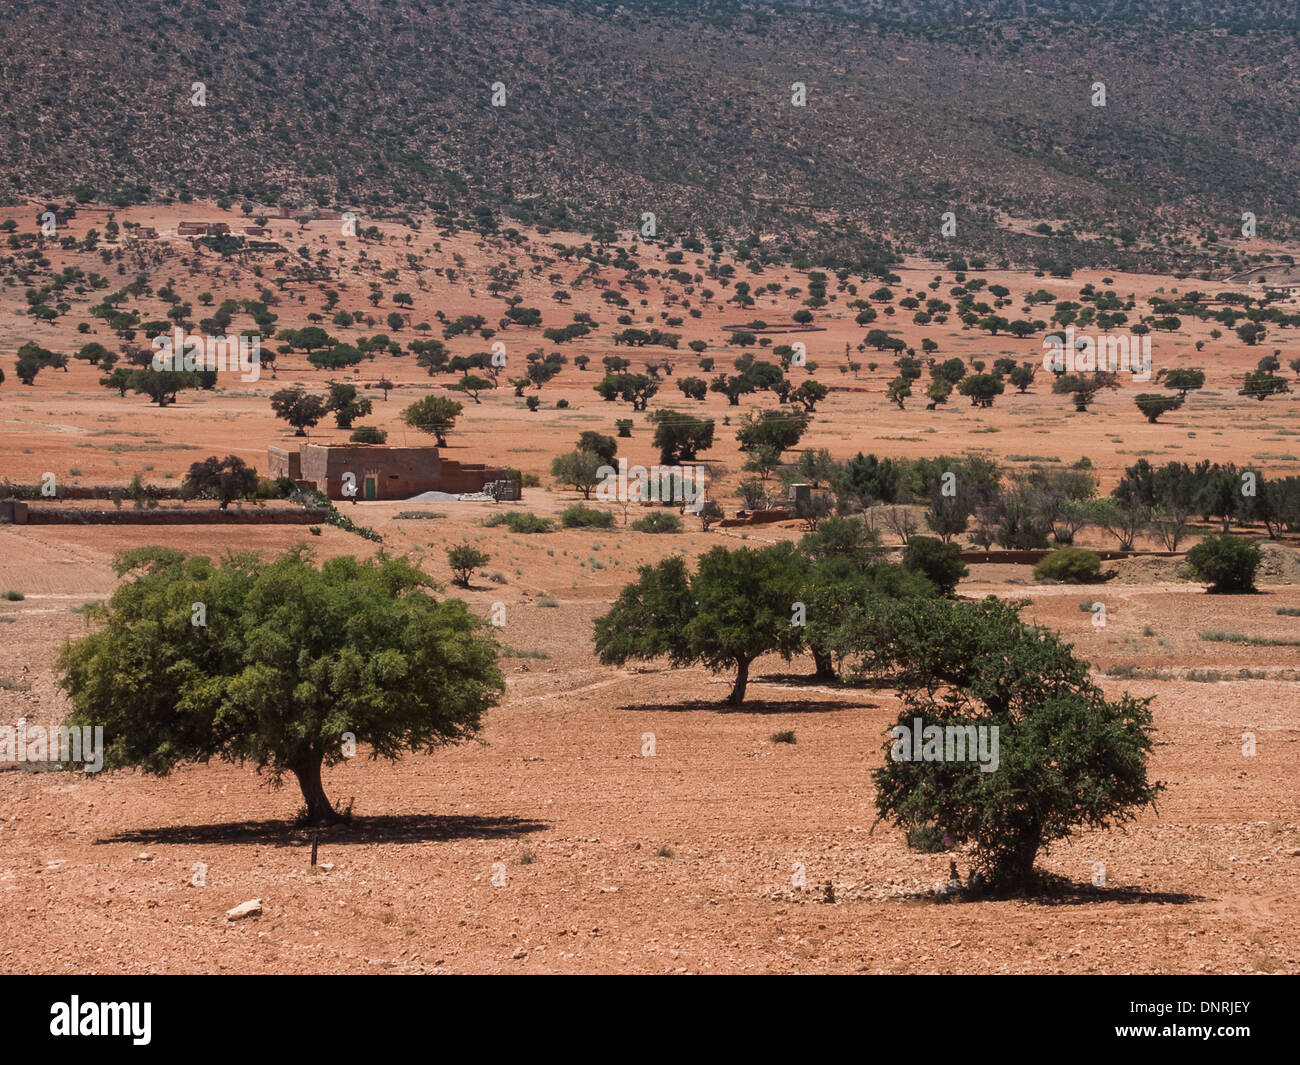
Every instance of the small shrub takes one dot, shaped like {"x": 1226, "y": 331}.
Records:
{"x": 580, "y": 517}
{"x": 658, "y": 522}
{"x": 464, "y": 559}
{"x": 368, "y": 434}
{"x": 784, "y": 737}
{"x": 548, "y": 600}
{"x": 14, "y": 597}
{"x": 934, "y": 559}
{"x": 520, "y": 521}
{"x": 1070, "y": 565}
{"x": 1227, "y": 563}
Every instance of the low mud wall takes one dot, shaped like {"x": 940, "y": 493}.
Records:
{"x": 1034, "y": 557}
{"x": 264, "y": 516}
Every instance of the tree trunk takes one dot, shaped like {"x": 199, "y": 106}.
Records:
{"x": 742, "y": 678}
{"x": 319, "y": 810}
{"x": 825, "y": 668}
{"x": 1026, "y": 852}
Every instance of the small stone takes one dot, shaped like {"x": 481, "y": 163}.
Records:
{"x": 251, "y": 908}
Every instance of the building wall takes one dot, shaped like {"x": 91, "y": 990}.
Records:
{"x": 398, "y": 472}
{"x": 280, "y": 462}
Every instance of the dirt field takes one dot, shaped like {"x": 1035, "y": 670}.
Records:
{"x": 555, "y": 844}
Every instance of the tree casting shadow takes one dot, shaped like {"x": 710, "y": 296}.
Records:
{"x": 386, "y": 828}
{"x": 749, "y": 706}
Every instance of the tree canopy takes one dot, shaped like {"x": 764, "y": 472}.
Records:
{"x": 287, "y": 662}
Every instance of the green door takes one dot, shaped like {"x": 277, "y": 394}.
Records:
{"x": 372, "y": 488}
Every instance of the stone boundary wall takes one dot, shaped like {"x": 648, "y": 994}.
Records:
{"x": 32, "y": 515}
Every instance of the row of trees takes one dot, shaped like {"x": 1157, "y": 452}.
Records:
{"x": 1026, "y": 509}
{"x": 1068, "y": 755}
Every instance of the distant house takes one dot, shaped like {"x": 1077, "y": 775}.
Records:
{"x": 257, "y": 231}
{"x": 378, "y": 471}
{"x": 146, "y": 232}
{"x": 202, "y": 229}
{"x": 264, "y": 245}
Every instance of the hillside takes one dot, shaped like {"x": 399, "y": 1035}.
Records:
{"x": 685, "y": 111}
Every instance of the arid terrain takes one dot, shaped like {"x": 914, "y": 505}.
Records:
{"x": 557, "y": 842}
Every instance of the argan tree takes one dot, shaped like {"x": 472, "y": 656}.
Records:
{"x": 225, "y": 480}
{"x": 1082, "y": 388}
{"x": 1153, "y": 404}
{"x": 680, "y": 437}
{"x": 346, "y": 405}
{"x": 464, "y": 559}
{"x": 433, "y": 414}
{"x": 1067, "y": 756}
{"x": 299, "y": 408}
{"x": 737, "y": 605}
{"x": 578, "y": 469}
{"x": 290, "y": 662}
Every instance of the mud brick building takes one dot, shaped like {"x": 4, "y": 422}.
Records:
{"x": 202, "y": 229}
{"x": 380, "y": 471}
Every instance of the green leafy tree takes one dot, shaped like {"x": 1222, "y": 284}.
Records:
{"x": 290, "y": 659}
{"x": 899, "y": 390}
{"x": 1066, "y": 756}
{"x": 299, "y": 408}
{"x": 433, "y": 414}
{"x": 936, "y": 560}
{"x": 736, "y": 606}
{"x": 93, "y": 353}
{"x": 680, "y": 437}
{"x": 472, "y": 385}
{"x": 1260, "y": 384}
{"x": 1082, "y": 388}
{"x": 982, "y": 388}
{"x": 346, "y": 405}
{"x": 809, "y": 394}
{"x": 1152, "y": 404}
{"x": 1184, "y": 381}
{"x": 604, "y": 446}
{"x": 1022, "y": 377}
{"x": 32, "y": 359}
{"x": 119, "y": 377}
{"x": 1227, "y": 563}
{"x": 464, "y": 559}
{"x": 225, "y": 480}
{"x": 163, "y": 386}
{"x": 780, "y": 430}
{"x": 580, "y": 470}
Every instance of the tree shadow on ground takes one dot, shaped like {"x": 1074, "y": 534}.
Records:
{"x": 749, "y": 706}
{"x": 831, "y": 683}
{"x": 386, "y": 828}
{"x": 1057, "y": 891}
